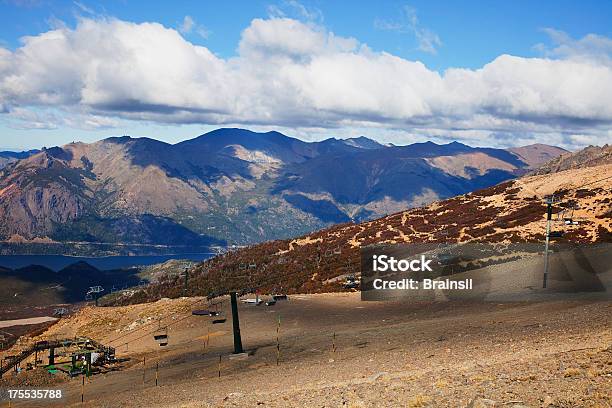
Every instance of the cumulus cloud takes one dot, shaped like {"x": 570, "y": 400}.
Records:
{"x": 299, "y": 75}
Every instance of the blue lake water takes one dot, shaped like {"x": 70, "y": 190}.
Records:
{"x": 57, "y": 262}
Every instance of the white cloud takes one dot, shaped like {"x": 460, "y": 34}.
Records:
{"x": 295, "y": 9}
{"x": 591, "y": 47}
{"x": 298, "y": 75}
{"x": 189, "y": 25}
{"x": 84, "y": 8}
{"x": 19, "y": 118}
{"x": 427, "y": 40}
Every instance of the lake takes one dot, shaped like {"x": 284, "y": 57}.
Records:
{"x": 57, "y": 262}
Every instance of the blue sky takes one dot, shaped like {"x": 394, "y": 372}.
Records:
{"x": 440, "y": 35}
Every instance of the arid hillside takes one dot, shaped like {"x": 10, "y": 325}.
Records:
{"x": 512, "y": 211}
{"x": 591, "y": 156}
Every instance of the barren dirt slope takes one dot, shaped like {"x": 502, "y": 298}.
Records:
{"x": 338, "y": 351}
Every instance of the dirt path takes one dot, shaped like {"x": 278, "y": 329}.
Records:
{"x": 23, "y": 322}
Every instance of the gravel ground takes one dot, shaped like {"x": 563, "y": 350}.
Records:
{"x": 548, "y": 354}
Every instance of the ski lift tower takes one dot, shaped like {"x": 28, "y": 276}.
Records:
{"x": 234, "y": 293}
{"x": 236, "y": 324}
{"x": 550, "y": 200}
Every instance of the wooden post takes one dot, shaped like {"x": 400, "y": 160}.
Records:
{"x": 144, "y": 369}
{"x": 278, "y": 341}
{"x": 88, "y": 362}
{"x": 334, "y": 343}
{"x": 83, "y": 390}
{"x": 219, "y": 365}
{"x": 207, "y": 339}
{"x": 156, "y": 373}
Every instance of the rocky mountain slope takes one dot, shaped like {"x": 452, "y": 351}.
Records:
{"x": 591, "y": 156}
{"x": 537, "y": 154}
{"x": 512, "y": 211}
{"x": 231, "y": 186}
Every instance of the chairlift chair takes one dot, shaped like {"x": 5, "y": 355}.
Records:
{"x": 555, "y": 234}
{"x": 161, "y": 336}
{"x": 219, "y": 318}
{"x": 278, "y": 297}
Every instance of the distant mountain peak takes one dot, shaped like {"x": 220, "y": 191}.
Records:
{"x": 537, "y": 154}
{"x": 587, "y": 157}
{"x": 79, "y": 268}
{"x": 363, "y": 142}
{"x": 119, "y": 139}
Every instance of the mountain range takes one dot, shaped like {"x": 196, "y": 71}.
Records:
{"x": 36, "y": 285}
{"x": 234, "y": 186}
{"x": 513, "y": 211}
{"x": 8, "y": 157}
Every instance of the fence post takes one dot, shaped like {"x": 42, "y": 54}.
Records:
{"x": 334, "y": 343}
{"x": 278, "y": 341}
{"x": 219, "y": 365}
{"x": 144, "y": 368}
{"x": 156, "y": 373}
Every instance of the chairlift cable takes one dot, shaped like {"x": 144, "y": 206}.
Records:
{"x": 147, "y": 325}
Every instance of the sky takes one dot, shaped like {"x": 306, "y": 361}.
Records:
{"x": 485, "y": 73}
